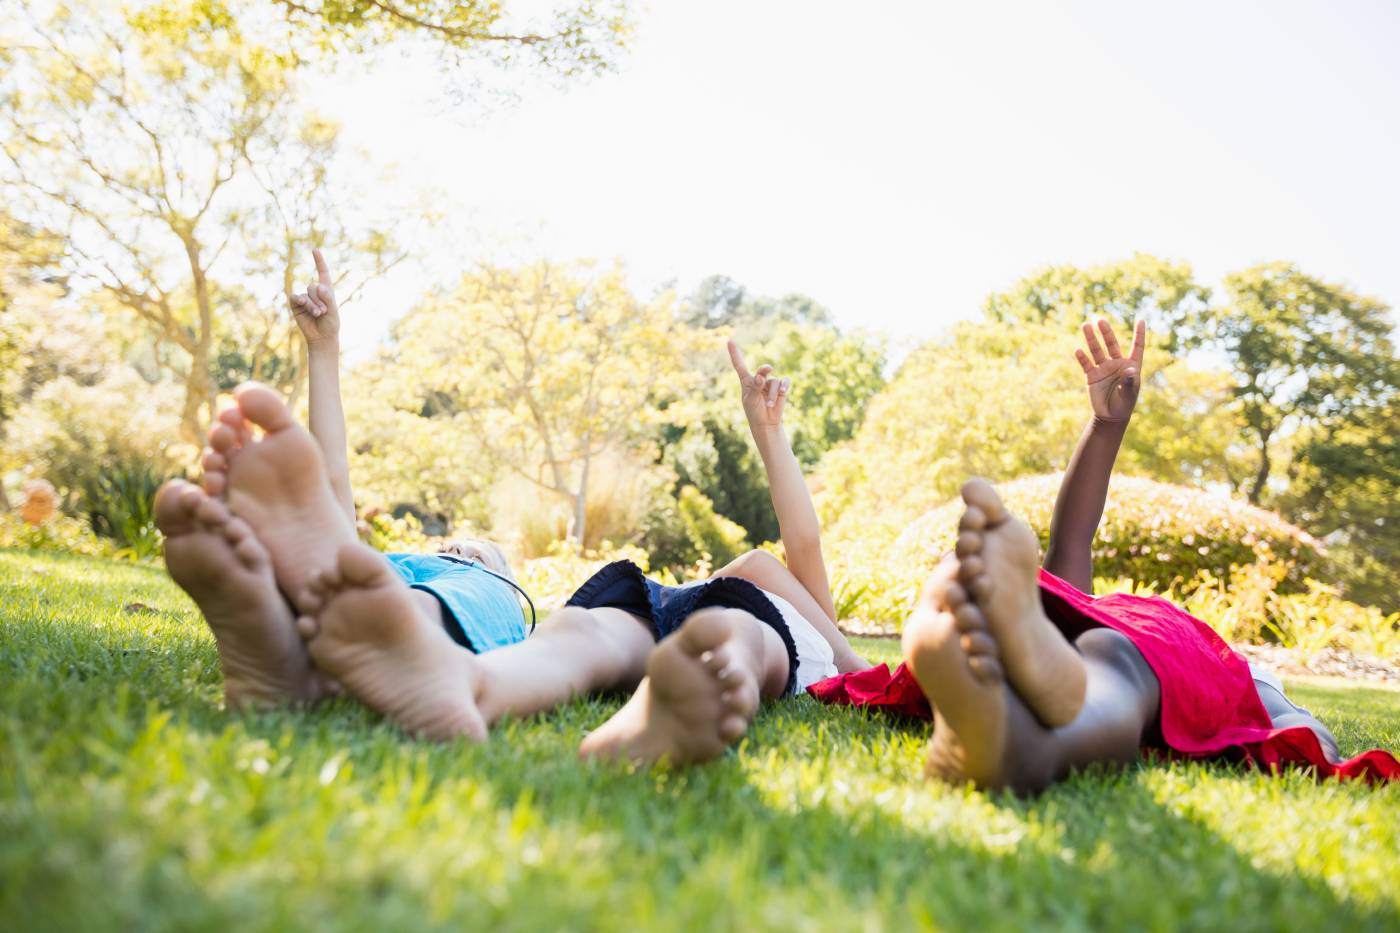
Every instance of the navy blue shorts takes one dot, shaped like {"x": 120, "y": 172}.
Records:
{"x": 622, "y": 585}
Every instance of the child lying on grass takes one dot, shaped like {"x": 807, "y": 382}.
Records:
{"x": 1028, "y": 678}
{"x": 437, "y": 642}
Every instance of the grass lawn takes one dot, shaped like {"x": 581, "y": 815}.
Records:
{"x": 130, "y": 799}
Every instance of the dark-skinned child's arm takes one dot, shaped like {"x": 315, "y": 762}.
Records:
{"x": 1113, "y": 382}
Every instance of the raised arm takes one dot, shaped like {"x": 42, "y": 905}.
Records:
{"x": 764, "y": 397}
{"x": 1113, "y": 381}
{"x": 318, "y": 316}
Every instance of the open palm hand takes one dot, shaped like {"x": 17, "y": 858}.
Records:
{"x": 1113, "y": 379}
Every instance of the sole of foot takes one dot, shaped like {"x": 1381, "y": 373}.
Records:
{"x": 218, "y": 561}
{"x": 277, "y": 483}
{"x": 998, "y": 573}
{"x": 982, "y": 733}
{"x": 698, "y": 698}
{"x": 364, "y": 628}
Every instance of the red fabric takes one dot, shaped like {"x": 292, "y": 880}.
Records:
{"x": 1210, "y": 705}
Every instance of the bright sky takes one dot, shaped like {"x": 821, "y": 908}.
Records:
{"x": 897, "y": 161}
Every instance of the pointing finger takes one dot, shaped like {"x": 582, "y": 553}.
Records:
{"x": 736, "y": 356}
{"x": 323, "y": 271}
{"x": 1139, "y": 339}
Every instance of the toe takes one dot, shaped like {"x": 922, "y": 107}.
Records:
{"x": 236, "y": 529}
{"x": 358, "y": 564}
{"x": 213, "y": 461}
{"x": 717, "y": 661}
{"x": 980, "y": 587}
{"x": 969, "y": 618}
{"x": 307, "y": 627}
{"x": 972, "y": 566}
{"x": 215, "y": 483}
{"x": 979, "y": 492}
{"x": 954, "y": 595}
{"x": 969, "y": 543}
{"x": 309, "y": 603}
{"x": 732, "y": 728}
{"x": 704, "y": 631}
{"x": 978, "y": 644}
{"x": 986, "y": 669}
{"x": 973, "y": 519}
{"x": 212, "y": 512}
{"x": 173, "y": 511}
{"x": 250, "y": 552}
{"x": 222, "y": 438}
{"x": 264, "y": 407}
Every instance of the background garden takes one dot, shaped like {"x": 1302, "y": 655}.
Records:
{"x": 165, "y": 174}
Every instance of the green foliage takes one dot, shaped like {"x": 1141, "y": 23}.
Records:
{"x": 61, "y": 533}
{"x": 1163, "y": 293}
{"x": 580, "y": 38}
{"x": 712, "y": 536}
{"x": 834, "y": 377}
{"x": 120, "y": 504}
{"x": 121, "y": 775}
{"x": 1154, "y": 534}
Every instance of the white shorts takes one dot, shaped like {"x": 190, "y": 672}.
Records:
{"x": 815, "y": 658}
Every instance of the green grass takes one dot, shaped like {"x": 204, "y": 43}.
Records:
{"x": 130, "y": 799}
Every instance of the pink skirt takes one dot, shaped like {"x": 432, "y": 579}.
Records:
{"x": 1210, "y": 706}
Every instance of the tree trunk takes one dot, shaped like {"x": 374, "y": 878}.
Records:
{"x": 1262, "y": 476}
{"x": 581, "y": 505}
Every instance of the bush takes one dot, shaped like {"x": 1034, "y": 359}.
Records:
{"x": 1157, "y": 535}
{"x": 711, "y": 535}
{"x": 60, "y": 533}
{"x": 120, "y": 504}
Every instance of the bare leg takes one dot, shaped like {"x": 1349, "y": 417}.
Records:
{"x": 385, "y": 643}
{"x": 701, "y": 691}
{"x": 1287, "y": 716}
{"x": 766, "y": 572}
{"x": 997, "y": 559}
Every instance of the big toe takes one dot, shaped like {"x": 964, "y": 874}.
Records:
{"x": 704, "y": 631}
{"x": 262, "y": 406}
{"x": 175, "y": 506}
{"x": 979, "y": 493}
{"x": 360, "y": 565}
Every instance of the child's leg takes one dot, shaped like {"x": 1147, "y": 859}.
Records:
{"x": 385, "y": 643}
{"x": 1287, "y": 716}
{"x": 985, "y": 734}
{"x": 766, "y": 572}
{"x": 702, "y": 689}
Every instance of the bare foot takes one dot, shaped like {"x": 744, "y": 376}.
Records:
{"x": 216, "y": 559}
{"x": 699, "y": 696}
{"x": 277, "y": 484}
{"x": 982, "y": 733}
{"x": 998, "y": 566}
{"x": 365, "y": 629}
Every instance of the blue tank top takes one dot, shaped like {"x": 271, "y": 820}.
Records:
{"x": 484, "y": 606}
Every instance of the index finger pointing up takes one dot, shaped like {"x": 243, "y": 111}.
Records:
{"x": 1139, "y": 339}
{"x": 736, "y": 356}
{"x": 322, "y": 270}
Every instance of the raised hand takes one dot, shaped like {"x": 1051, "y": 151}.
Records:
{"x": 764, "y": 393}
{"x": 316, "y": 312}
{"x": 1113, "y": 379}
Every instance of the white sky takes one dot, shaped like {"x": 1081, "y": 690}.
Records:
{"x": 897, "y": 161}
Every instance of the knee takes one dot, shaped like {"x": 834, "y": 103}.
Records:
{"x": 572, "y": 622}
{"x": 750, "y": 565}
{"x": 1116, "y": 651}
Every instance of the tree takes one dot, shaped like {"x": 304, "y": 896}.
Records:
{"x": 587, "y": 37}
{"x": 1308, "y": 357}
{"x": 1162, "y": 292}
{"x": 166, "y": 148}
{"x": 719, "y": 301}
{"x": 547, "y": 367}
